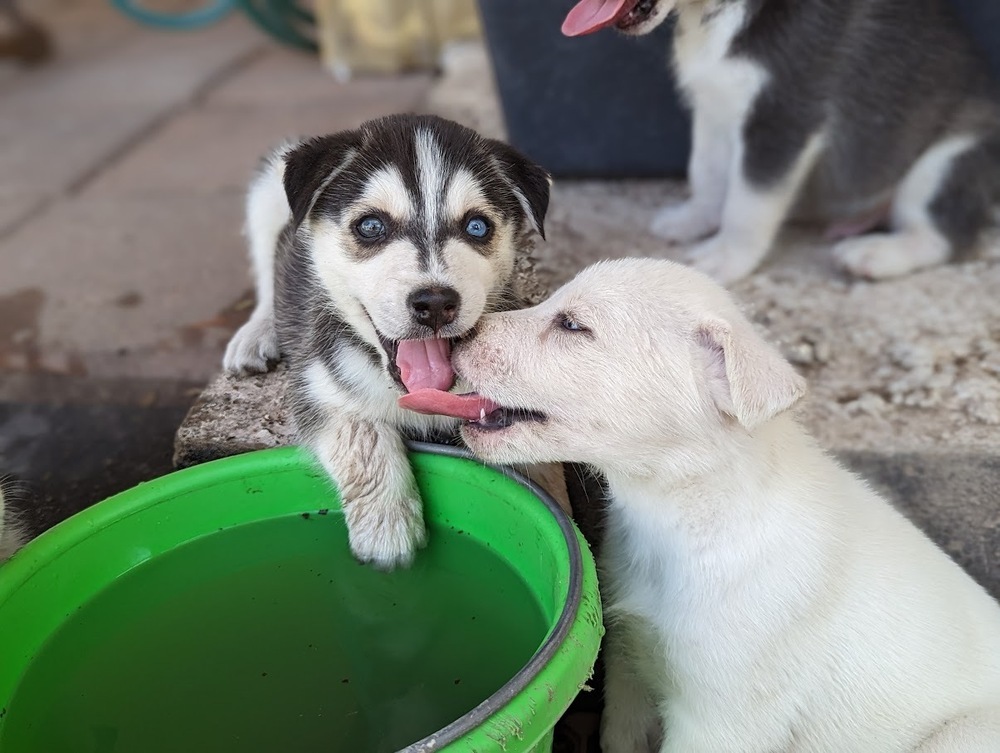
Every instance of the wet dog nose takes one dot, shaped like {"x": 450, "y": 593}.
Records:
{"x": 435, "y": 306}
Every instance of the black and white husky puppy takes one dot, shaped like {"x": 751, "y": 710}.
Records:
{"x": 373, "y": 250}
{"x": 865, "y": 113}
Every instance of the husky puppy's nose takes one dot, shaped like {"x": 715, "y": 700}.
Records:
{"x": 434, "y": 306}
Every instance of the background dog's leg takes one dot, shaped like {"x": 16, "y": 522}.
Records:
{"x": 977, "y": 732}
{"x": 255, "y": 344}
{"x": 631, "y": 722}
{"x": 385, "y": 522}
{"x": 552, "y": 478}
{"x": 940, "y": 207}
{"x": 708, "y": 173}
{"x": 753, "y": 214}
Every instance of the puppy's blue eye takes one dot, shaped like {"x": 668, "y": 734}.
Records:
{"x": 477, "y": 227}
{"x": 570, "y": 324}
{"x": 370, "y": 227}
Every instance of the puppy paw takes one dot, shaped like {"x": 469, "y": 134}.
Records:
{"x": 683, "y": 223}
{"x": 387, "y": 535}
{"x": 881, "y": 257}
{"x": 722, "y": 260}
{"x": 253, "y": 348}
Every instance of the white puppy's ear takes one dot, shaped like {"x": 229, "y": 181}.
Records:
{"x": 748, "y": 378}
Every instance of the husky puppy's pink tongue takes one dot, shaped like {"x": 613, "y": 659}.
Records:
{"x": 589, "y": 16}
{"x": 425, "y": 364}
{"x": 433, "y": 402}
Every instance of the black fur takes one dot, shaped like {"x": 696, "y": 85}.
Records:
{"x": 390, "y": 141}
{"x": 308, "y": 165}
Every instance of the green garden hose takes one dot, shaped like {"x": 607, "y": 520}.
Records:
{"x": 291, "y": 22}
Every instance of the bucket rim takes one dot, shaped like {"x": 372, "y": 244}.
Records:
{"x": 475, "y": 718}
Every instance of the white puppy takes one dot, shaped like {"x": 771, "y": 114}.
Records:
{"x": 760, "y": 599}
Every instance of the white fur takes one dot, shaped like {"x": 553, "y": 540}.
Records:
{"x": 431, "y": 171}
{"x": 720, "y": 90}
{"x": 386, "y": 190}
{"x": 916, "y": 242}
{"x": 751, "y": 218}
{"x": 267, "y": 213}
{"x": 759, "y": 598}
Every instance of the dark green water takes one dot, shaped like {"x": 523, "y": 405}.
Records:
{"x": 269, "y": 637}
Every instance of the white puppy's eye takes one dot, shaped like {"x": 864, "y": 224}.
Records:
{"x": 478, "y": 227}
{"x": 570, "y": 324}
{"x": 370, "y": 227}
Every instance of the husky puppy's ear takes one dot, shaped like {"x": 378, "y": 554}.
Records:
{"x": 529, "y": 182}
{"x": 748, "y": 378}
{"x": 311, "y": 166}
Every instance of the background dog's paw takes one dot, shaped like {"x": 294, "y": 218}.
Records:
{"x": 683, "y": 223}
{"x": 722, "y": 260}
{"x": 389, "y": 537}
{"x": 875, "y": 257}
{"x": 253, "y": 348}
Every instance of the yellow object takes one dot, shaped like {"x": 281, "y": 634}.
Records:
{"x": 390, "y": 36}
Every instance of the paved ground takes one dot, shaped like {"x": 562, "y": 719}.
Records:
{"x": 122, "y": 166}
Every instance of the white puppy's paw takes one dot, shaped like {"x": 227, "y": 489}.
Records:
{"x": 253, "y": 347}
{"x": 684, "y": 223}
{"x": 882, "y": 256}
{"x": 723, "y": 260}
{"x": 387, "y": 535}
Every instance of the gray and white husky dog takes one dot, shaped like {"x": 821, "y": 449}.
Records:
{"x": 865, "y": 113}
{"x": 373, "y": 250}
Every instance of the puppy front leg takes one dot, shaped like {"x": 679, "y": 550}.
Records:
{"x": 758, "y": 201}
{"x": 631, "y": 721}
{"x": 708, "y": 174}
{"x": 379, "y": 497}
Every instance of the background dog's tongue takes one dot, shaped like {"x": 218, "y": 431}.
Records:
{"x": 425, "y": 364}
{"x": 589, "y": 16}
{"x": 439, "y": 403}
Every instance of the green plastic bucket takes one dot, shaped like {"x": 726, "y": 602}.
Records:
{"x": 218, "y": 609}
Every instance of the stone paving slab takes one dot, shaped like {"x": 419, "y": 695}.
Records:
{"x": 230, "y": 139}
{"x": 105, "y": 275}
{"x": 62, "y": 124}
{"x": 291, "y": 81}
